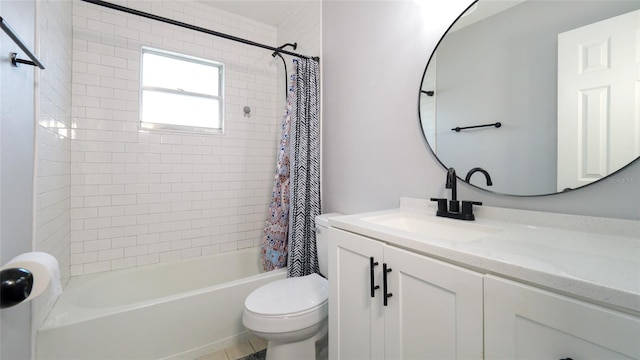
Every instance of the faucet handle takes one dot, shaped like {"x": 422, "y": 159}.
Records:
{"x": 442, "y": 204}
{"x": 467, "y": 206}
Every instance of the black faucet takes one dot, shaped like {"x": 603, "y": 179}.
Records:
{"x": 452, "y": 183}
{"x": 453, "y": 210}
{"x": 481, "y": 170}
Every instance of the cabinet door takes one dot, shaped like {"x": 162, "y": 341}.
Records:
{"x": 435, "y": 311}
{"x": 356, "y": 320}
{"x": 523, "y": 322}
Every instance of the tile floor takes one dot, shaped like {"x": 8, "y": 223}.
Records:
{"x": 254, "y": 344}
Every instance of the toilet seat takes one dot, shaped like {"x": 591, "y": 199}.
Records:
{"x": 288, "y": 296}
{"x": 287, "y": 305}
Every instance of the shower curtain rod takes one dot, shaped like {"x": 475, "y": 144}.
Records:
{"x": 196, "y": 28}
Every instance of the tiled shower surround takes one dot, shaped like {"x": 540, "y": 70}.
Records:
{"x": 53, "y": 161}
{"x": 140, "y": 197}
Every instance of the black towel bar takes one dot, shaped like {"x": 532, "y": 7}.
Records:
{"x": 14, "y": 56}
{"x": 457, "y": 129}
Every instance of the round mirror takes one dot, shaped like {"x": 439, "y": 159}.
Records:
{"x": 537, "y": 96}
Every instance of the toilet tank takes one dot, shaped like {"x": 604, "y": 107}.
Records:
{"x": 322, "y": 243}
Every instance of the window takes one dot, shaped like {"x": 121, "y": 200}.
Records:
{"x": 180, "y": 92}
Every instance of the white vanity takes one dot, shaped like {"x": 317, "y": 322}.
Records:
{"x": 511, "y": 285}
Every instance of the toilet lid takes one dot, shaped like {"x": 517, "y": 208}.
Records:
{"x": 289, "y": 296}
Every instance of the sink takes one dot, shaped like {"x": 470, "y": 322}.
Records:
{"x": 423, "y": 225}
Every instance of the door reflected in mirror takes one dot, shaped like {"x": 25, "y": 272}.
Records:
{"x": 560, "y": 77}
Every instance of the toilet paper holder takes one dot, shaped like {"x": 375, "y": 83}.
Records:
{"x": 15, "y": 286}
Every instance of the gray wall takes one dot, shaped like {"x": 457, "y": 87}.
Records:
{"x": 16, "y": 168}
{"x": 374, "y": 55}
{"x": 483, "y": 64}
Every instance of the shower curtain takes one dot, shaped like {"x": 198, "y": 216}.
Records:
{"x": 290, "y": 238}
{"x": 305, "y": 174}
{"x": 273, "y": 248}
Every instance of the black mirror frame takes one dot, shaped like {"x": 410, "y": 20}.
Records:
{"x": 420, "y": 91}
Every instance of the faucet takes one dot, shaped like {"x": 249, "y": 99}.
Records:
{"x": 453, "y": 208}
{"x": 452, "y": 183}
{"x": 481, "y": 170}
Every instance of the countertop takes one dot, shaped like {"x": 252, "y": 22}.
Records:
{"x": 595, "y": 259}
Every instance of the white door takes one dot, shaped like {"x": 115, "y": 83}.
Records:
{"x": 523, "y": 322}
{"x": 598, "y": 99}
{"x": 356, "y": 319}
{"x": 435, "y": 311}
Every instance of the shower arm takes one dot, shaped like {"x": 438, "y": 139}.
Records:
{"x": 286, "y": 76}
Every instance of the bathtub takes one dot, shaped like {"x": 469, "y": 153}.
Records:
{"x": 178, "y": 310}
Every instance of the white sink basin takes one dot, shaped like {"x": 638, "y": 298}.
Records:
{"x": 423, "y": 225}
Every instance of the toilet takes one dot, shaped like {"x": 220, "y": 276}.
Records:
{"x": 291, "y": 314}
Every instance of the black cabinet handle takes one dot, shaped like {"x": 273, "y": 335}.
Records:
{"x": 387, "y": 295}
{"x": 374, "y": 287}
{"x": 566, "y": 359}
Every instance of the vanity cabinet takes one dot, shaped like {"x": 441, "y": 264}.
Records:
{"x": 436, "y": 310}
{"x": 523, "y": 322}
{"x": 433, "y": 309}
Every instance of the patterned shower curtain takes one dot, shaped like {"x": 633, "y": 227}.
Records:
{"x": 273, "y": 248}
{"x": 289, "y": 236}
{"x": 305, "y": 174}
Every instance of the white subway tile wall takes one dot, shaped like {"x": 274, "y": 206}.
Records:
{"x": 142, "y": 197}
{"x": 53, "y": 156}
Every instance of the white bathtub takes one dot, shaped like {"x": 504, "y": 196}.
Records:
{"x": 177, "y": 310}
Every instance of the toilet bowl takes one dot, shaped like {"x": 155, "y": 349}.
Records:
{"x": 291, "y": 314}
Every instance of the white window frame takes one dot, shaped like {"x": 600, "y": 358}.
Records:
{"x": 149, "y": 125}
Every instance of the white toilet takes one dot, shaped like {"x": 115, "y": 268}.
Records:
{"x": 291, "y": 314}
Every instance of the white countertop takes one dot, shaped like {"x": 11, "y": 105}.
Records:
{"x": 592, "y": 258}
